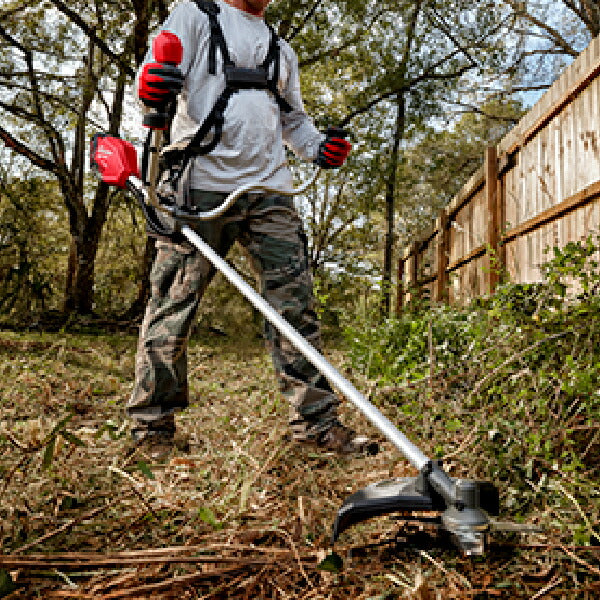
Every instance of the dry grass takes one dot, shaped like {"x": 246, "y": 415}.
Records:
{"x": 245, "y": 515}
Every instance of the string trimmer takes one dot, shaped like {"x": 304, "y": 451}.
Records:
{"x": 463, "y": 505}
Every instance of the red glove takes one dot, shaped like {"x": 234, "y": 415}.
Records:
{"x": 159, "y": 83}
{"x": 333, "y": 150}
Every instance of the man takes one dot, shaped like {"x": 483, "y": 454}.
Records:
{"x": 240, "y": 102}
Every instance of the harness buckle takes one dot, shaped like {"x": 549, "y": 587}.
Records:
{"x": 244, "y": 78}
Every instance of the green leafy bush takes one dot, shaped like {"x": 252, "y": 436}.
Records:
{"x": 510, "y": 384}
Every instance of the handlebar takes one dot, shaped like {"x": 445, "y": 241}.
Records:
{"x": 228, "y": 202}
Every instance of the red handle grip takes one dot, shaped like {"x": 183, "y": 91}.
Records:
{"x": 167, "y": 48}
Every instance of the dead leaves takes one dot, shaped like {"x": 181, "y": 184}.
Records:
{"x": 245, "y": 515}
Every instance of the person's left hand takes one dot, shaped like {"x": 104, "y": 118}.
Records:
{"x": 333, "y": 150}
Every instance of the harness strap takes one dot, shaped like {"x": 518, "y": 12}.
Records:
{"x": 217, "y": 39}
{"x": 274, "y": 56}
{"x": 216, "y": 119}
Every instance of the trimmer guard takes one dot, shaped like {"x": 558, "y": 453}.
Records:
{"x": 415, "y": 495}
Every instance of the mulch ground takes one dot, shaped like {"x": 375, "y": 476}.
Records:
{"x": 246, "y": 514}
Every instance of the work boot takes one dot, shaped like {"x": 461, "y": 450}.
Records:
{"x": 158, "y": 441}
{"x": 343, "y": 440}
{"x": 156, "y": 445}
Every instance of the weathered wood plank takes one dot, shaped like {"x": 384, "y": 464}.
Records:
{"x": 572, "y": 91}
{"x": 566, "y": 206}
{"x": 493, "y": 234}
{"x": 441, "y": 284}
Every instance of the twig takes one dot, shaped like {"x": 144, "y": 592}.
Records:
{"x": 441, "y": 567}
{"x": 248, "y": 485}
{"x": 70, "y": 594}
{"x": 579, "y": 560}
{"x": 17, "y": 444}
{"x": 553, "y": 583}
{"x": 49, "y": 562}
{"x": 222, "y": 587}
{"x": 10, "y": 474}
{"x": 393, "y": 577}
{"x": 296, "y": 555}
{"x": 119, "y": 582}
{"x": 579, "y": 509}
{"x": 294, "y": 550}
{"x": 144, "y": 590}
{"x": 168, "y": 550}
{"x": 593, "y": 441}
{"x": 134, "y": 488}
{"x": 70, "y": 524}
{"x": 66, "y": 579}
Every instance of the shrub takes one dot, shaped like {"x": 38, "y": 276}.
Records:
{"x": 510, "y": 383}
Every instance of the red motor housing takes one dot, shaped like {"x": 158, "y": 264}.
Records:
{"x": 114, "y": 159}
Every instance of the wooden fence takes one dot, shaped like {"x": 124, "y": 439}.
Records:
{"x": 538, "y": 188}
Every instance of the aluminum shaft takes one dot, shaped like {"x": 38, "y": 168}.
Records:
{"x": 380, "y": 421}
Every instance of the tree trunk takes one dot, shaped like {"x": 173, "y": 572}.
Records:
{"x": 390, "y": 193}
{"x": 86, "y": 227}
{"x": 85, "y": 239}
{"x": 83, "y": 289}
{"x": 137, "y": 307}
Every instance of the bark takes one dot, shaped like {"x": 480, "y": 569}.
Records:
{"x": 86, "y": 229}
{"x": 137, "y": 307}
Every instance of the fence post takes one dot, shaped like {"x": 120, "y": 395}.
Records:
{"x": 413, "y": 271}
{"x": 400, "y": 287}
{"x": 493, "y": 234}
{"x": 500, "y": 212}
{"x": 443, "y": 239}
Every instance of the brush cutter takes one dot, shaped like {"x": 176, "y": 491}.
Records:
{"x": 463, "y": 506}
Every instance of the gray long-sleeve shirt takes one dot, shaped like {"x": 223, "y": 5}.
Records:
{"x": 252, "y": 145}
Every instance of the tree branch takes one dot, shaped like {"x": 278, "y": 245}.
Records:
{"x": 307, "y": 17}
{"x": 347, "y": 44}
{"x": 443, "y": 27}
{"x": 4, "y": 14}
{"x": 19, "y": 111}
{"x": 20, "y": 148}
{"x": 49, "y": 98}
{"x": 405, "y": 87}
{"x": 553, "y": 34}
{"x": 476, "y": 109}
{"x": 52, "y": 136}
{"x": 588, "y": 12}
{"x": 89, "y": 31}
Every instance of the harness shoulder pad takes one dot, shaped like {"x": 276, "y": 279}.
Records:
{"x": 217, "y": 39}
{"x": 210, "y": 8}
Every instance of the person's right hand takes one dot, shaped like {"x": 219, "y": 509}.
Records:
{"x": 159, "y": 83}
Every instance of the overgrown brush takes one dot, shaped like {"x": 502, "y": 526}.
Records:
{"x": 510, "y": 385}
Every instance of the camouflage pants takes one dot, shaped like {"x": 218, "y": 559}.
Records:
{"x": 269, "y": 228}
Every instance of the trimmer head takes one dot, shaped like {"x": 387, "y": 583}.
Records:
{"x": 463, "y": 506}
